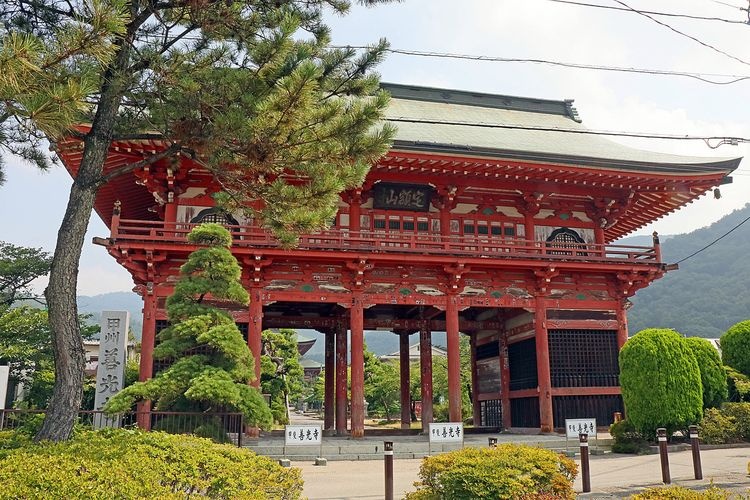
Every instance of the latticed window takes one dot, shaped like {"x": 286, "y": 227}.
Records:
{"x": 567, "y": 240}
{"x": 215, "y": 215}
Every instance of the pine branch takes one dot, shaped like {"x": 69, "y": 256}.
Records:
{"x": 112, "y": 174}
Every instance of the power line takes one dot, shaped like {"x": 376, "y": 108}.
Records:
{"x": 713, "y": 242}
{"x": 715, "y": 49}
{"x": 446, "y": 55}
{"x": 727, "y": 4}
{"x": 664, "y": 14}
{"x": 640, "y": 135}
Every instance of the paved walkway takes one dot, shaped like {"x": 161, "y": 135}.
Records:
{"x": 612, "y": 476}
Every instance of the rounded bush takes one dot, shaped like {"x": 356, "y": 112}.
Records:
{"x": 626, "y": 438}
{"x": 132, "y": 464}
{"x": 661, "y": 382}
{"x": 505, "y": 472}
{"x": 713, "y": 374}
{"x": 718, "y": 428}
{"x": 735, "y": 347}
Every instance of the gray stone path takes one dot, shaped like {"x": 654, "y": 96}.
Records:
{"x": 612, "y": 476}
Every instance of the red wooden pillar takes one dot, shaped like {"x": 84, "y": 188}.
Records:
{"x": 542, "y": 366}
{"x": 358, "y": 367}
{"x": 622, "y": 325}
{"x": 341, "y": 380}
{"x": 454, "y": 359}
{"x": 505, "y": 383}
{"x": 403, "y": 351}
{"x": 425, "y": 371}
{"x": 355, "y": 208}
{"x": 170, "y": 212}
{"x": 329, "y": 374}
{"x": 146, "y": 371}
{"x": 475, "y": 406}
{"x": 254, "y": 332}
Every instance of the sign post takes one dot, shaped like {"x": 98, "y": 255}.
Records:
{"x": 304, "y": 435}
{"x": 4, "y": 374}
{"x": 574, "y": 427}
{"x": 110, "y": 374}
{"x": 447, "y": 432}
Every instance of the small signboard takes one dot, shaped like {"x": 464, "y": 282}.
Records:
{"x": 450, "y": 432}
{"x": 395, "y": 196}
{"x": 306, "y": 435}
{"x": 576, "y": 426}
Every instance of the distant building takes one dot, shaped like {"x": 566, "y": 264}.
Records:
{"x": 92, "y": 355}
{"x": 311, "y": 368}
{"x": 437, "y": 351}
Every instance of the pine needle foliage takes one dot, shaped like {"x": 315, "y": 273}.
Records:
{"x": 247, "y": 88}
{"x": 47, "y": 79}
{"x": 212, "y": 365}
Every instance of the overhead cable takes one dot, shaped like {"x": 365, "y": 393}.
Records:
{"x": 713, "y": 242}
{"x": 681, "y": 33}
{"x": 664, "y": 14}
{"x": 640, "y": 135}
{"x": 704, "y": 77}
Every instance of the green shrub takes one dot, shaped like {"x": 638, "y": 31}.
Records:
{"x": 132, "y": 464}
{"x": 738, "y": 384}
{"x": 718, "y": 428}
{"x": 741, "y": 414}
{"x": 713, "y": 374}
{"x": 735, "y": 347}
{"x": 661, "y": 382}
{"x": 507, "y": 471}
{"x": 680, "y": 493}
{"x": 626, "y": 438}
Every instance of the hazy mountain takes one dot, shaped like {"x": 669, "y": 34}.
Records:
{"x": 115, "y": 301}
{"x": 709, "y": 292}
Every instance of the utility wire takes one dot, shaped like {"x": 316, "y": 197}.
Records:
{"x": 713, "y": 242}
{"x": 727, "y": 4}
{"x": 715, "y": 49}
{"x": 446, "y": 55}
{"x": 664, "y": 14}
{"x": 641, "y": 135}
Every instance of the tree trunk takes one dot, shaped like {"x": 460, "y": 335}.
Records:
{"x": 67, "y": 344}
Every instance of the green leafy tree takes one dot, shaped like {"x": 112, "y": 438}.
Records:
{"x": 248, "y": 87}
{"x": 735, "y": 347}
{"x": 212, "y": 365}
{"x": 713, "y": 374}
{"x": 661, "y": 381}
{"x": 26, "y": 347}
{"x": 281, "y": 373}
{"x": 383, "y": 389}
{"x": 19, "y": 266}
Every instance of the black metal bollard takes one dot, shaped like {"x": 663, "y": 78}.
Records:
{"x": 388, "y": 456}
{"x": 583, "y": 439}
{"x": 492, "y": 442}
{"x": 696, "y": 447}
{"x": 661, "y": 435}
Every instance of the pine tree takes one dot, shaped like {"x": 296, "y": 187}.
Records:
{"x": 247, "y": 87}
{"x": 211, "y": 364}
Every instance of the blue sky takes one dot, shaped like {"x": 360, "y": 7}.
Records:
{"x": 32, "y": 203}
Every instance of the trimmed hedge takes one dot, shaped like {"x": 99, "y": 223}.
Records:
{"x": 661, "y": 382}
{"x": 132, "y": 464}
{"x": 735, "y": 347}
{"x": 713, "y": 374}
{"x": 680, "y": 493}
{"x": 508, "y": 471}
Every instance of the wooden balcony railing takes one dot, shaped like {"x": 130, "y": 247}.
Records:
{"x": 132, "y": 231}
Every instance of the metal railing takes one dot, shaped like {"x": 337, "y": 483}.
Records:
{"x": 227, "y": 427}
{"x": 140, "y": 231}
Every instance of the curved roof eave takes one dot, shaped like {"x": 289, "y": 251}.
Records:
{"x": 692, "y": 167}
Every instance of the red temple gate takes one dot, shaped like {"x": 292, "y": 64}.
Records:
{"x": 499, "y": 233}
